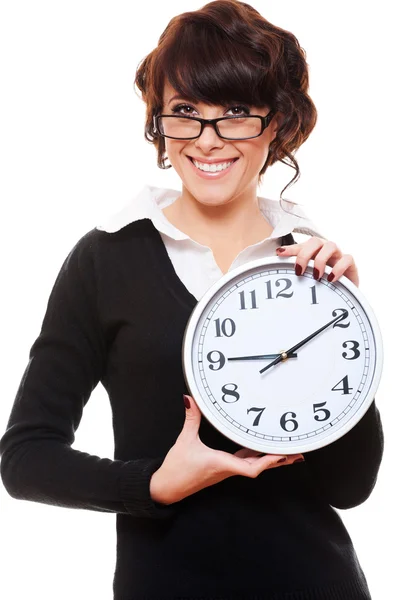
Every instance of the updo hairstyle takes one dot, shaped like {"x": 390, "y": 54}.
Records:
{"x": 228, "y": 51}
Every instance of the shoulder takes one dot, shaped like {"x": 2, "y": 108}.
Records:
{"x": 105, "y": 253}
{"x": 97, "y": 257}
{"x": 96, "y": 240}
{"x": 97, "y": 252}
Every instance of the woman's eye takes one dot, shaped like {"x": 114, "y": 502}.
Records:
{"x": 240, "y": 110}
{"x": 180, "y": 107}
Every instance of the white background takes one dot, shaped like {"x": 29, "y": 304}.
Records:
{"x": 72, "y": 151}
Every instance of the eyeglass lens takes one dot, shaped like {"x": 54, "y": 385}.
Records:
{"x": 232, "y": 128}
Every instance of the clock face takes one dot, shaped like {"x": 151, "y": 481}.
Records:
{"x": 309, "y": 399}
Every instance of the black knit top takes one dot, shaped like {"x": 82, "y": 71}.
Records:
{"x": 116, "y": 315}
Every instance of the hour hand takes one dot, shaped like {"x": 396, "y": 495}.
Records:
{"x": 261, "y": 356}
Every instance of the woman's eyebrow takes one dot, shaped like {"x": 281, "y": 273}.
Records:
{"x": 177, "y": 97}
{"x": 194, "y": 101}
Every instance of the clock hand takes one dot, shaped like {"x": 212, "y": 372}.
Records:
{"x": 261, "y": 356}
{"x": 303, "y": 342}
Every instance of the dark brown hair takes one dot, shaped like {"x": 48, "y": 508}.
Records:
{"x": 227, "y": 51}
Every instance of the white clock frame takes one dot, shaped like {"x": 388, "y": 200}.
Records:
{"x": 278, "y": 266}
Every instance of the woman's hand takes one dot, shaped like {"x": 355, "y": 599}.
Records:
{"x": 191, "y": 466}
{"x": 323, "y": 253}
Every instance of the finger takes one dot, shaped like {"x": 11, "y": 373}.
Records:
{"x": 291, "y": 459}
{"x": 251, "y": 458}
{"x": 247, "y": 452}
{"x": 345, "y": 266}
{"x": 329, "y": 255}
{"x": 255, "y": 455}
{"x": 304, "y": 252}
{"x": 252, "y": 466}
{"x": 193, "y": 416}
{"x": 296, "y": 458}
{"x": 290, "y": 250}
{"x": 308, "y": 248}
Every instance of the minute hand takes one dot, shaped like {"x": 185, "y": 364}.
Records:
{"x": 303, "y": 342}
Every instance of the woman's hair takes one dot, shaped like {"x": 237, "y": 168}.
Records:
{"x": 227, "y": 51}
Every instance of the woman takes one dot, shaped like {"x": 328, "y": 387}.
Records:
{"x": 197, "y": 515}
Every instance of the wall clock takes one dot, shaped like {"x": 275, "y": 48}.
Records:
{"x": 281, "y": 363}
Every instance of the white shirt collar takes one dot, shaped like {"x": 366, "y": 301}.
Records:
{"x": 150, "y": 201}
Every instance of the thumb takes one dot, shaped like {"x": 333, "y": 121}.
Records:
{"x": 193, "y": 414}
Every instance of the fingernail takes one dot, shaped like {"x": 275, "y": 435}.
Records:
{"x": 281, "y": 249}
{"x": 186, "y": 401}
{"x": 316, "y": 273}
{"x": 298, "y": 460}
{"x": 298, "y": 269}
{"x": 331, "y": 276}
{"x": 282, "y": 460}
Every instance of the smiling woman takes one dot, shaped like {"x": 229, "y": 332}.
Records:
{"x": 226, "y": 96}
{"x": 227, "y": 54}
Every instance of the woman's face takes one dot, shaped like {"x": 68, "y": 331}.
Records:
{"x": 249, "y": 155}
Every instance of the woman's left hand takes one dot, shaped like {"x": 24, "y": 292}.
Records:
{"x": 323, "y": 253}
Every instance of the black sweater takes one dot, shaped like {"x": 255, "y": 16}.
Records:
{"x": 117, "y": 314}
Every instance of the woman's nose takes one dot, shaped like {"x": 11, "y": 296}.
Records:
{"x": 209, "y": 139}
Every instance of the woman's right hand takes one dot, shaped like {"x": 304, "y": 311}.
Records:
{"x": 191, "y": 466}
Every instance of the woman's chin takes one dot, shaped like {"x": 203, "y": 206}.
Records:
{"x": 213, "y": 199}
{"x": 211, "y": 195}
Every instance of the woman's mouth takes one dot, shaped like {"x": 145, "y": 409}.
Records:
{"x": 213, "y": 170}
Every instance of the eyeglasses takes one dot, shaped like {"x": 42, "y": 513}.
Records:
{"x": 179, "y": 127}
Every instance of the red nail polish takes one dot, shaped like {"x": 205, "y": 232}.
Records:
{"x": 282, "y": 460}
{"x": 316, "y": 273}
{"x": 186, "y": 401}
{"x": 298, "y": 269}
{"x": 280, "y": 249}
{"x": 298, "y": 460}
{"x": 331, "y": 276}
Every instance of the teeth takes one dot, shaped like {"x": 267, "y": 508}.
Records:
{"x": 212, "y": 168}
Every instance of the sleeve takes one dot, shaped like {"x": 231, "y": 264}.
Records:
{"x": 346, "y": 470}
{"x": 66, "y": 362}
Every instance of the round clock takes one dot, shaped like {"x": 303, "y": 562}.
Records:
{"x": 281, "y": 363}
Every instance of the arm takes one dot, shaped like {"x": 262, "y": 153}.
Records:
{"x": 346, "y": 470}
{"x": 66, "y": 362}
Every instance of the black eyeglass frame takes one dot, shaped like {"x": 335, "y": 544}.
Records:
{"x": 265, "y": 123}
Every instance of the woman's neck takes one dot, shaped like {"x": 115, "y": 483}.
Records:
{"x": 238, "y": 223}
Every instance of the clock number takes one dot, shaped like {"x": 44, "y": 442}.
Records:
{"x": 221, "y": 360}
{"x": 242, "y": 300}
{"x": 316, "y": 409}
{"x": 284, "y": 421}
{"x": 281, "y": 292}
{"x": 233, "y": 392}
{"x": 344, "y": 316}
{"x": 222, "y": 329}
{"x": 314, "y": 300}
{"x": 256, "y": 422}
{"x": 346, "y": 389}
{"x": 354, "y": 350}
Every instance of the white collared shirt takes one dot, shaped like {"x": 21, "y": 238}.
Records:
{"x": 194, "y": 263}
